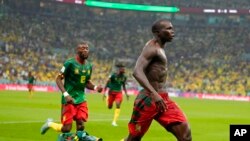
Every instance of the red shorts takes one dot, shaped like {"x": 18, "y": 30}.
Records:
{"x": 114, "y": 96}
{"x": 145, "y": 111}
{"x": 30, "y": 86}
{"x": 72, "y": 112}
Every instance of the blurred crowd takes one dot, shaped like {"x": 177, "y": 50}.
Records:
{"x": 203, "y": 57}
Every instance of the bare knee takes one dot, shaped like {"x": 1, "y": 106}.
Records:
{"x": 79, "y": 125}
{"x": 66, "y": 128}
{"x": 186, "y": 136}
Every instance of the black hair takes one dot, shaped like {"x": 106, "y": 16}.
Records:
{"x": 158, "y": 25}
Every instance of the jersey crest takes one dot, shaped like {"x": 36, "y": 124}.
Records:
{"x": 76, "y": 71}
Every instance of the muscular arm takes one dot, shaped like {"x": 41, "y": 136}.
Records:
{"x": 91, "y": 86}
{"x": 59, "y": 82}
{"x": 148, "y": 53}
{"x": 139, "y": 71}
{"x": 106, "y": 86}
{"x": 125, "y": 90}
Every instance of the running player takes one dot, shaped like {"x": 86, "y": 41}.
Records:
{"x": 154, "y": 103}
{"x": 76, "y": 73}
{"x": 115, "y": 83}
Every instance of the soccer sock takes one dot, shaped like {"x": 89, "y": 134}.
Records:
{"x": 30, "y": 94}
{"x": 116, "y": 115}
{"x": 56, "y": 126}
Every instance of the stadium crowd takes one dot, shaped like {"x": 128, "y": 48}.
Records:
{"x": 203, "y": 58}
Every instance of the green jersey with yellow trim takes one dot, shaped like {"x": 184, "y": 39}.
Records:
{"x": 116, "y": 82}
{"x": 31, "y": 80}
{"x": 76, "y": 76}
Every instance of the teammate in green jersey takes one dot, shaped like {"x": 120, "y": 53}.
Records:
{"x": 31, "y": 81}
{"x": 115, "y": 83}
{"x": 76, "y": 73}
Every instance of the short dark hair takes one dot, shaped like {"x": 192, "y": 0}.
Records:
{"x": 119, "y": 65}
{"x": 157, "y": 25}
{"x": 83, "y": 43}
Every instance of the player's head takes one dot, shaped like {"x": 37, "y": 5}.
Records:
{"x": 163, "y": 30}
{"x": 120, "y": 68}
{"x": 82, "y": 50}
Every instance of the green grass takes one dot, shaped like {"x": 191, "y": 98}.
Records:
{"x": 21, "y": 117}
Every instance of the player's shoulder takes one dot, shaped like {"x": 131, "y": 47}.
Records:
{"x": 151, "y": 45}
{"x": 150, "y": 49}
{"x": 112, "y": 74}
{"x": 70, "y": 60}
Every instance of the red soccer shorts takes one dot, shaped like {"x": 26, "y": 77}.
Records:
{"x": 114, "y": 96}
{"x": 145, "y": 111}
{"x": 72, "y": 112}
{"x": 30, "y": 86}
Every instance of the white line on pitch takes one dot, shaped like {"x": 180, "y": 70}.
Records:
{"x": 20, "y": 122}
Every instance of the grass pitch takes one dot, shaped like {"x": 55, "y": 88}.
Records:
{"x": 21, "y": 117}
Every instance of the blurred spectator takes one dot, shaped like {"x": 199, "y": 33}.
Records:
{"x": 207, "y": 57}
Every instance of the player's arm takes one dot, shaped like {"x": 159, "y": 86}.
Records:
{"x": 125, "y": 89}
{"x": 143, "y": 61}
{"x": 34, "y": 79}
{"x": 106, "y": 86}
{"x": 59, "y": 82}
{"x": 91, "y": 86}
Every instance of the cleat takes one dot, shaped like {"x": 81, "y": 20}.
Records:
{"x": 45, "y": 126}
{"x": 84, "y": 136}
{"x": 114, "y": 124}
{"x": 100, "y": 139}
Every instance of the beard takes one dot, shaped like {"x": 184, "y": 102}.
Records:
{"x": 83, "y": 56}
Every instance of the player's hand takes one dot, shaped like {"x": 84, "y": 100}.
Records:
{"x": 161, "y": 106}
{"x": 99, "y": 88}
{"x": 69, "y": 99}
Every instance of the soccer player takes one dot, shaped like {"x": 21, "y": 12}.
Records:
{"x": 154, "y": 103}
{"x": 76, "y": 73}
{"x": 31, "y": 81}
{"x": 115, "y": 83}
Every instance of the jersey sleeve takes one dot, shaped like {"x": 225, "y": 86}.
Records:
{"x": 65, "y": 67}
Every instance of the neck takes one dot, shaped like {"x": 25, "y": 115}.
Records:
{"x": 160, "y": 42}
{"x": 81, "y": 61}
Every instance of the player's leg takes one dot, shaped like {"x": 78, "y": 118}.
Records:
{"x": 118, "y": 101}
{"x": 81, "y": 117}
{"x": 30, "y": 90}
{"x": 143, "y": 114}
{"x": 181, "y": 131}
{"x": 66, "y": 120}
{"x": 174, "y": 120}
{"x": 111, "y": 99}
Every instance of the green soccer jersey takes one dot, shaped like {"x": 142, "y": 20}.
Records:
{"x": 76, "y": 76}
{"x": 116, "y": 82}
{"x": 31, "y": 80}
